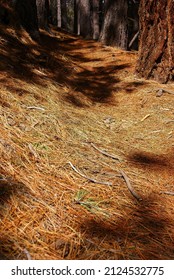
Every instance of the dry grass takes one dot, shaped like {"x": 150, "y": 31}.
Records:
{"x": 56, "y": 98}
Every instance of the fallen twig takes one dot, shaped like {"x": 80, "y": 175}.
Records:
{"x": 159, "y": 92}
{"x": 33, "y": 151}
{"x": 27, "y": 254}
{"x": 129, "y": 186}
{"x": 36, "y": 108}
{"x": 169, "y": 121}
{"x": 165, "y": 90}
{"x": 88, "y": 178}
{"x": 147, "y": 116}
{"x": 169, "y": 193}
{"x": 133, "y": 39}
{"x": 105, "y": 153}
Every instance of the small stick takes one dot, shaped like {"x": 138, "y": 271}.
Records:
{"x": 27, "y": 254}
{"x": 129, "y": 186}
{"x": 36, "y": 108}
{"x": 133, "y": 39}
{"x": 169, "y": 193}
{"x": 88, "y": 178}
{"x": 105, "y": 153}
{"x": 166, "y": 90}
{"x": 169, "y": 121}
{"x": 32, "y": 150}
{"x": 159, "y": 92}
{"x": 147, "y": 116}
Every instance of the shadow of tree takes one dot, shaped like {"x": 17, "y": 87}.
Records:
{"x": 157, "y": 163}
{"x": 55, "y": 58}
{"x": 8, "y": 188}
{"x": 132, "y": 86}
{"x": 144, "y": 233}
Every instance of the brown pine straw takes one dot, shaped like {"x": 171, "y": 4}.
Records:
{"x": 79, "y": 86}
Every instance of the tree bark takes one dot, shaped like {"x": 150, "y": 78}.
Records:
{"x": 115, "y": 28}
{"x": 59, "y": 14}
{"x": 133, "y": 24}
{"x": 4, "y": 13}
{"x": 76, "y": 17}
{"x": 43, "y": 13}
{"x": 63, "y": 14}
{"x": 85, "y": 19}
{"x": 95, "y": 19}
{"x": 27, "y": 14}
{"x": 156, "y": 47}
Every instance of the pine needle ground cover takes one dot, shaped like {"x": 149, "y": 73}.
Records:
{"x": 86, "y": 147}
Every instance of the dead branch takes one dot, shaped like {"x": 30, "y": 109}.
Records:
{"x": 169, "y": 193}
{"x": 27, "y": 254}
{"x": 105, "y": 153}
{"x": 32, "y": 150}
{"x": 147, "y": 116}
{"x": 35, "y": 108}
{"x": 169, "y": 121}
{"x": 165, "y": 90}
{"x": 129, "y": 186}
{"x": 133, "y": 39}
{"x": 88, "y": 178}
{"x": 159, "y": 92}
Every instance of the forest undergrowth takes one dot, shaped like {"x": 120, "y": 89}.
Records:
{"x": 86, "y": 168}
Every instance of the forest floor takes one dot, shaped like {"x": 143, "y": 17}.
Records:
{"x": 86, "y": 149}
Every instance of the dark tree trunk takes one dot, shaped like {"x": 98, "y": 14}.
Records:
{"x": 156, "y": 47}
{"x": 95, "y": 19}
{"x": 63, "y": 14}
{"x": 115, "y": 28}
{"x": 53, "y": 12}
{"x": 59, "y": 14}
{"x": 4, "y": 14}
{"x": 133, "y": 25}
{"x": 43, "y": 13}
{"x": 85, "y": 19}
{"x": 27, "y": 14}
{"x": 76, "y": 17}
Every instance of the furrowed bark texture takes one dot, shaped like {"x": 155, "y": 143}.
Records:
{"x": 156, "y": 47}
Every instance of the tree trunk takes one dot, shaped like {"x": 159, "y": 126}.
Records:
{"x": 27, "y": 13}
{"x": 133, "y": 25}
{"x": 76, "y": 17}
{"x": 115, "y": 29}
{"x": 85, "y": 19}
{"x": 4, "y": 14}
{"x": 95, "y": 19}
{"x": 43, "y": 13}
{"x": 53, "y": 12}
{"x": 64, "y": 14}
{"x": 156, "y": 47}
{"x": 59, "y": 14}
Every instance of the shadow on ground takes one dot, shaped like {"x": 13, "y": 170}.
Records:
{"x": 144, "y": 233}
{"x": 163, "y": 164}
{"x": 55, "y": 59}
{"x": 8, "y": 188}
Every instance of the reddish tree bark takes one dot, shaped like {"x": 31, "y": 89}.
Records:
{"x": 156, "y": 46}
